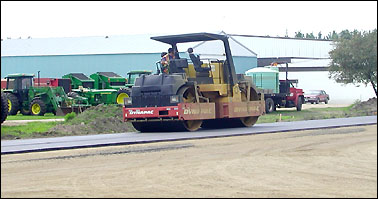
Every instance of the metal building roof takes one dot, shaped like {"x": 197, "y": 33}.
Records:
{"x": 121, "y": 44}
{"x": 284, "y": 47}
{"x": 241, "y": 45}
{"x": 81, "y": 45}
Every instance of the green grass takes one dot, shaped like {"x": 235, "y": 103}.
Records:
{"x": 308, "y": 114}
{"x": 29, "y": 130}
{"x": 30, "y": 117}
{"x": 101, "y": 117}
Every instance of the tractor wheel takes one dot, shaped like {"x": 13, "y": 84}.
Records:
{"x": 25, "y": 111}
{"x": 37, "y": 107}
{"x": 4, "y": 107}
{"x": 121, "y": 94}
{"x": 299, "y": 104}
{"x": 13, "y": 104}
{"x": 269, "y": 105}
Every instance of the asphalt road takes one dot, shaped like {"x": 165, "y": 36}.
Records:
{"x": 71, "y": 142}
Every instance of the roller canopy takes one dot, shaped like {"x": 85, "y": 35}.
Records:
{"x": 193, "y": 37}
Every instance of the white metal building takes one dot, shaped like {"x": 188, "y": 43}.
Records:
{"x": 55, "y": 57}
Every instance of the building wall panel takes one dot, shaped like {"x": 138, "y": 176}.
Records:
{"x": 59, "y": 65}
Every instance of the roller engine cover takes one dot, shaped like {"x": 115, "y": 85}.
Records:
{"x": 156, "y": 90}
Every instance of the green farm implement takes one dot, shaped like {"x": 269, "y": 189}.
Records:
{"x": 111, "y": 80}
{"x": 84, "y": 86}
{"x": 30, "y": 100}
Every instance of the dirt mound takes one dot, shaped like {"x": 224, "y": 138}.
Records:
{"x": 368, "y": 107}
{"x": 95, "y": 120}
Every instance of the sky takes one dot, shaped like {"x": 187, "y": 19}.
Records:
{"x": 45, "y": 19}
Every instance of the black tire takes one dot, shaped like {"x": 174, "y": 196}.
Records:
{"x": 299, "y": 104}
{"x": 326, "y": 101}
{"x": 122, "y": 92}
{"x": 312, "y": 102}
{"x": 317, "y": 101}
{"x": 25, "y": 111}
{"x": 269, "y": 105}
{"x": 4, "y": 107}
{"x": 14, "y": 104}
{"x": 34, "y": 107}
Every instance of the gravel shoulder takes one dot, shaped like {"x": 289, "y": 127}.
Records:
{"x": 339, "y": 162}
{"x": 21, "y": 122}
{"x": 321, "y": 105}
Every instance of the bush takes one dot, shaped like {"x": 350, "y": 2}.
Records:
{"x": 69, "y": 116}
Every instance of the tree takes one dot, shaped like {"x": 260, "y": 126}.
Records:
{"x": 354, "y": 58}
{"x": 332, "y": 36}
{"x": 299, "y": 35}
{"x": 319, "y": 35}
{"x": 310, "y": 36}
{"x": 345, "y": 34}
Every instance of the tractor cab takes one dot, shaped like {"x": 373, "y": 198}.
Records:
{"x": 19, "y": 81}
{"x": 19, "y": 84}
{"x": 132, "y": 75}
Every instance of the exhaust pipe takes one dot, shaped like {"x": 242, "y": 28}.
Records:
{"x": 39, "y": 83}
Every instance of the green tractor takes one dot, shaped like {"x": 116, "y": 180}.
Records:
{"x": 29, "y": 100}
{"x": 111, "y": 80}
{"x": 132, "y": 75}
{"x": 84, "y": 86}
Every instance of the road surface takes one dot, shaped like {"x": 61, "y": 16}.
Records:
{"x": 322, "y": 163}
{"x": 70, "y": 142}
